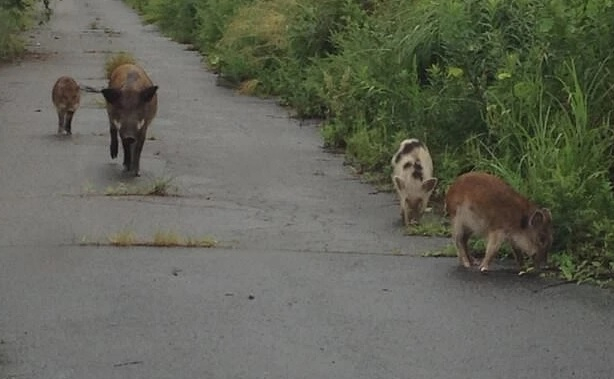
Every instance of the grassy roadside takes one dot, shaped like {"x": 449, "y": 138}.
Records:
{"x": 512, "y": 88}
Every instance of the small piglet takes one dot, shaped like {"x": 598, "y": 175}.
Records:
{"x": 413, "y": 178}
{"x": 66, "y": 96}
{"x": 483, "y": 205}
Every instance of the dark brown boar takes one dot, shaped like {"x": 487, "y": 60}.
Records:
{"x": 483, "y": 205}
{"x": 132, "y": 104}
{"x": 66, "y": 96}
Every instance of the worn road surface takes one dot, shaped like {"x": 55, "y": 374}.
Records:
{"x": 313, "y": 277}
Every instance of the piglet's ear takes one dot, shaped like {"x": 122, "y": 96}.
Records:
{"x": 538, "y": 218}
{"x": 148, "y": 93}
{"x": 399, "y": 182}
{"x": 429, "y": 185}
{"x": 111, "y": 95}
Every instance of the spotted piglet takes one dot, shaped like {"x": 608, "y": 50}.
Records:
{"x": 413, "y": 179}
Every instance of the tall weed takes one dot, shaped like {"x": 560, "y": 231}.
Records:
{"x": 11, "y": 44}
{"x": 254, "y": 40}
{"x": 212, "y": 18}
{"x": 176, "y": 18}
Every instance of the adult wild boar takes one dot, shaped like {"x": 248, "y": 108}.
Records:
{"x": 66, "y": 96}
{"x": 483, "y": 205}
{"x": 132, "y": 104}
{"x": 413, "y": 178}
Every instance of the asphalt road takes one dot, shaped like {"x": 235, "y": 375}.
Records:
{"x": 313, "y": 277}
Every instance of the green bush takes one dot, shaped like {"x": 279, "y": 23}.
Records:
{"x": 11, "y": 44}
{"x": 212, "y": 17}
{"x": 176, "y": 18}
{"x": 15, "y": 17}
{"x": 139, "y": 5}
{"x": 253, "y": 41}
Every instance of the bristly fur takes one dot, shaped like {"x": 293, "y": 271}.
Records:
{"x": 114, "y": 61}
{"x": 407, "y": 147}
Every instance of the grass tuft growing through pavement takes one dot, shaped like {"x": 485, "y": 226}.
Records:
{"x": 157, "y": 187}
{"x": 123, "y": 238}
{"x": 161, "y": 238}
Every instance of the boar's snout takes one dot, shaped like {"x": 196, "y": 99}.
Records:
{"x": 129, "y": 140}
{"x": 128, "y": 135}
{"x": 541, "y": 222}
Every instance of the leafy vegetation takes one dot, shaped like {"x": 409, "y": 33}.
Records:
{"x": 15, "y": 17}
{"x": 519, "y": 88}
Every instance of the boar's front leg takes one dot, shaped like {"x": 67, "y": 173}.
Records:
{"x": 136, "y": 158}
{"x": 128, "y": 145}
{"x": 113, "y": 132}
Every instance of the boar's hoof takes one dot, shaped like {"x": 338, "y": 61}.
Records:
{"x": 484, "y": 270}
{"x": 132, "y": 171}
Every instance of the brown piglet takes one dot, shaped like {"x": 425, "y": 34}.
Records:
{"x": 132, "y": 104}
{"x": 66, "y": 96}
{"x": 483, "y": 205}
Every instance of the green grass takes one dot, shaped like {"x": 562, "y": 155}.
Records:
{"x": 160, "y": 186}
{"x": 161, "y": 238}
{"x": 429, "y": 226}
{"x": 12, "y": 24}
{"x": 123, "y": 238}
{"x": 446, "y": 252}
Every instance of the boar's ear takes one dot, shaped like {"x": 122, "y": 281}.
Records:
{"x": 429, "y": 185}
{"x": 148, "y": 93}
{"x": 111, "y": 95}
{"x": 399, "y": 182}
{"x": 538, "y": 218}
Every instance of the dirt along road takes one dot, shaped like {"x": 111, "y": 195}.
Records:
{"x": 312, "y": 277}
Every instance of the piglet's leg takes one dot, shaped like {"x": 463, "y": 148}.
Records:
{"x": 461, "y": 237}
{"x": 60, "y": 122}
{"x": 492, "y": 247}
